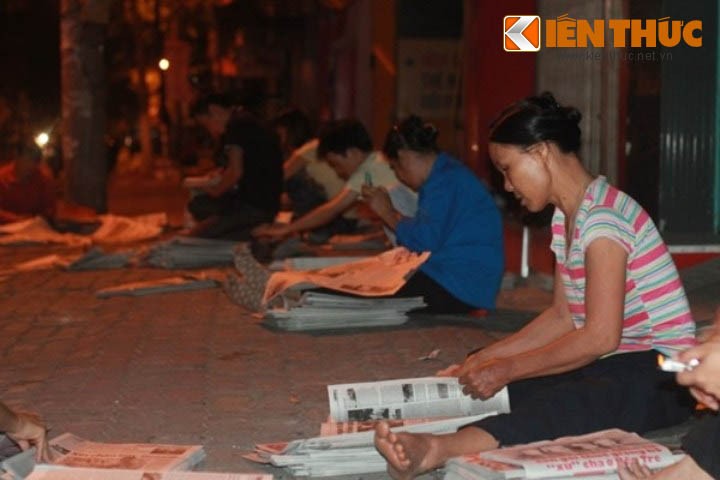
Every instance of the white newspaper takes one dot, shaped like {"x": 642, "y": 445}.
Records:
{"x": 72, "y": 451}
{"x": 409, "y": 398}
{"x": 49, "y": 472}
{"x": 596, "y": 453}
{"x": 380, "y": 275}
{"x": 117, "y": 229}
{"x": 37, "y": 230}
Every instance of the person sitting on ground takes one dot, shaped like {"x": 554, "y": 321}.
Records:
{"x": 250, "y": 184}
{"x": 589, "y": 361}
{"x": 309, "y": 182}
{"x": 26, "y": 187}
{"x": 457, "y": 221}
{"x": 701, "y": 461}
{"x": 347, "y": 147}
{"x": 26, "y": 430}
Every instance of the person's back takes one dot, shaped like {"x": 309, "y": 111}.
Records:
{"x": 472, "y": 242}
{"x": 261, "y": 182}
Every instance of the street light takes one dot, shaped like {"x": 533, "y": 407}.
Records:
{"x": 42, "y": 139}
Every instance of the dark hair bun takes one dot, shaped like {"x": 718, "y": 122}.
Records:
{"x": 537, "y": 119}
{"x": 411, "y": 134}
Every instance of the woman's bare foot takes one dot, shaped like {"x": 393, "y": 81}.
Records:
{"x": 408, "y": 454}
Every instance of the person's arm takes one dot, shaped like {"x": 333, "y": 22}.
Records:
{"x": 231, "y": 174}
{"x": 378, "y": 199}
{"x": 8, "y": 419}
{"x": 293, "y": 165}
{"x": 551, "y": 324}
{"x": 313, "y": 219}
{"x": 605, "y": 263}
{"x": 26, "y": 429}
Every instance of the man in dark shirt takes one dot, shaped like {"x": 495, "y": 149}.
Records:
{"x": 248, "y": 191}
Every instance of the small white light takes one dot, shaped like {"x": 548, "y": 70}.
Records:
{"x": 474, "y": 147}
{"x": 42, "y": 139}
{"x": 164, "y": 64}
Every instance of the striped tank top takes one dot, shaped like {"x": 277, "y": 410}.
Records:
{"x": 657, "y": 315}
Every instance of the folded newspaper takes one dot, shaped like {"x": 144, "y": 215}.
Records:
{"x": 345, "y": 446}
{"x": 70, "y": 452}
{"x": 595, "y": 455}
{"x": 45, "y": 472}
{"x": 376, "y": 276}
{"x": 189, "y": 252}
{"x": 180, "y": 283}
{"x": 321, "y": 311}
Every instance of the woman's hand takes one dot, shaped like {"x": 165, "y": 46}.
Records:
{"x": 483, "y": 380}
{"x": 450, "y": 371}
{"x": 378, "y": 199}
{"x": 705, "y": 378}
{"x": 30, "y": 431}
{"x": 633, "y": 471}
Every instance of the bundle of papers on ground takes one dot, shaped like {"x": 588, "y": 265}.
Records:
{"x": 77, "y": 459}
{"x": 594, "y": 456}
{"x": 345, "y": 445}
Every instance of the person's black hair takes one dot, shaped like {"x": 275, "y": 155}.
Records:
{"x": 411, "y": 134}
{"x": 341, "y": 135}
{"x": 538, "y": 119}
{"x": 202, "y": 105}
{"x": 297, "y": 125}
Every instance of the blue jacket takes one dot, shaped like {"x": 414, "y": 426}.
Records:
{"x": 459, "y": 223}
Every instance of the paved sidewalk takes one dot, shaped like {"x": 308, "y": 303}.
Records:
{"x": 193, "y": 367}
{"x": 186, "y": 367}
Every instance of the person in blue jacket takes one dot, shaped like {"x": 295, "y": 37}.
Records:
{"x": 457, "y": 221}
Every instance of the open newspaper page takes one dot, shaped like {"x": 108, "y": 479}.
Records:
{"x": 72, "y": 451}
{"x": 380, "y": 275}
{"x": 409, "y": 398}
{"x": 49, "y": 472}
{"x": 597, "y": 453}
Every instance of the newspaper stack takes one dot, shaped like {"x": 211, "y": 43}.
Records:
{"x": 71, "y": 452}
{"x": 46, "y": 472}
{"x": 346, "y": 447}
{"x": 319, "y": 311}
{"x": 591, "y": 456}
{"x": 310, "y": 263}
{"x": 188, "y": 252}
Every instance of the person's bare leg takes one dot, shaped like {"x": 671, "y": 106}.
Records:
{"x": 411, "y": 454}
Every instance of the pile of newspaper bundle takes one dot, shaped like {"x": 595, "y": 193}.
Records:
{"x": 319, "y": 311}
{"x": 345, "y": 446}
{"x": 187, "y": 252}
{"x": 593, "y": 456}
{"x": 78, "y": 459}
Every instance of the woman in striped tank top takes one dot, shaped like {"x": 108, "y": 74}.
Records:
{"x": 588, "y": 362}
